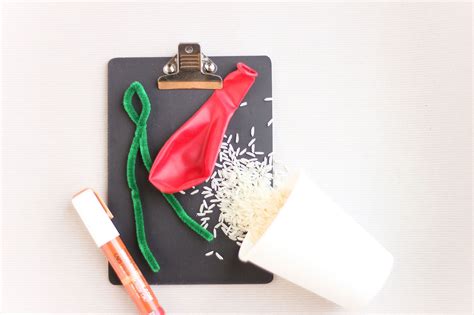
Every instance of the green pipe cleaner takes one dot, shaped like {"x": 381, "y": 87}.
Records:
{"x": 140, "y": 143}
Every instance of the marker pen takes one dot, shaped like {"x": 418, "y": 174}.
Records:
{"x": 96, "y": 216}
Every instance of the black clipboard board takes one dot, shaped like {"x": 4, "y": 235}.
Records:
{"x": 179, "y": 251}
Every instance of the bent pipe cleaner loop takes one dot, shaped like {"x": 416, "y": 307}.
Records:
{"x": 140, "y": 143}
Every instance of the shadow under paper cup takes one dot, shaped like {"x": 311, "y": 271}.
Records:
{"x": 313, "y": 243}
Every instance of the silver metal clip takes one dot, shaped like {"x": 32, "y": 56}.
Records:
{"x": 189, "y": 69}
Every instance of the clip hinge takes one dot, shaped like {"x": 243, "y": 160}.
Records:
{"x": 189, "y": 69}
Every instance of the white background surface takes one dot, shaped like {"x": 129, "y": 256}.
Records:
{"x": 374, "y": 100}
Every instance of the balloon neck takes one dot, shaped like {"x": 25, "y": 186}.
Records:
{"x": 238, "y": 83}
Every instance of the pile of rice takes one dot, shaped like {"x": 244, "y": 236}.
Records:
{"x": 241, "y": 187}
{"x": 248, "y": 202}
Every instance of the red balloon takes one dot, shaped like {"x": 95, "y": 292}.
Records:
{"x": 187, "y": 159}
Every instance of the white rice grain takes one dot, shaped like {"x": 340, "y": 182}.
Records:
{"x": 238, "y": 175}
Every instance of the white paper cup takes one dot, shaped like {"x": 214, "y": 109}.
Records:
{"x": 313, "y": 243}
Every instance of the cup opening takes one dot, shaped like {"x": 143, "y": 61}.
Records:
{"x": 255, "y": 233}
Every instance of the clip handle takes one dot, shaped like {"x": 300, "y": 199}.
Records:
{"x": 189, "y": 57}
{"x": 190, "y": 69}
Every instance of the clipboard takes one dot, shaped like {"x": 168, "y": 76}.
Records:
{"x": 180, "y": 252}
